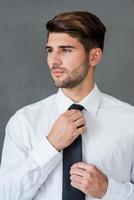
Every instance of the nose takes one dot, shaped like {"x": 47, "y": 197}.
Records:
{"x": 54, "y": 58}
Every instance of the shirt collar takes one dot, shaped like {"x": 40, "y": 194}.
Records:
{"x": 91, "y": 102}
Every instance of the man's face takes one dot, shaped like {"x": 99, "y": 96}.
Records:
{"x": 67, "y": 60}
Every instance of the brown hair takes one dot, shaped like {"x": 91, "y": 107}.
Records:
{"x": 83, "y": 25}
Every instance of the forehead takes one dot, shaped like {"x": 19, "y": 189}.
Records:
{"x": 56, "y": 39}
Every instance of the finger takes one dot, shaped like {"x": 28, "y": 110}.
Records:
{"x": 76, "y": 178}
{"x": 81, "y": 130}
{"x": 80, "y": 174}
{"x": 81, "y": 165}
{"x": 83, "y": 186}
{"x": 80, "y": 122}
{"x": 76, "y": 115}
{"x": 77, "y": 185}
{"x": 69, "y": 113}
{"x": 77, "y": 171}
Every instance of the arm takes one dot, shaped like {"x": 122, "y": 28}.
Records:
{"x": 23, "y": 169}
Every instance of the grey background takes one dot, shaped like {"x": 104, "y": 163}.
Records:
{"x": 24, "y": 75}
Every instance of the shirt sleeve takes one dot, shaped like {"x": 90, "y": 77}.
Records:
{"x": 23, "y": 170}
{"x": 119, "y": 191}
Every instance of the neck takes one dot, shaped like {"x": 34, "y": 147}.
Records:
{"x": 77, "y": 93}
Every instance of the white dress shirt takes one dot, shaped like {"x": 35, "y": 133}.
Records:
{"x": 31, "y": 167}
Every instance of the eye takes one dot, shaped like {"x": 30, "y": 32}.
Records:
{"x": 49, "y": 50}
{"x": 64, "y": 50}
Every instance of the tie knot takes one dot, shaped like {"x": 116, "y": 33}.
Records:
{"x": 76, "y": 106}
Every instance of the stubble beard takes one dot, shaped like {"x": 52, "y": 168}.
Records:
{"x": 76, "y": 77}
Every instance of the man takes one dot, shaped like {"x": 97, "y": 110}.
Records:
{"x": 37, "y": 135}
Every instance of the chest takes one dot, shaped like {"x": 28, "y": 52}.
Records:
{"x": 109, "y": 145}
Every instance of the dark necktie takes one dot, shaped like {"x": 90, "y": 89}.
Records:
{"x": 72, "y": 154}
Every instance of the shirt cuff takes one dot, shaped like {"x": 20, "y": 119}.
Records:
{"x": 44, "y": 152}
{"x": 116, "y": 190}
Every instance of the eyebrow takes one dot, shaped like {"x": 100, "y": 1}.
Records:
{"x": 61, "y": 47}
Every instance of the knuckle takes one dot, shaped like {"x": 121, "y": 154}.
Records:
{"x": 79, "y": 113}
{"x": 84, "y": 120}
{"x": 62, "y": 116}
{"x": 92, "y": 167}
{"x": 83, "y": 129}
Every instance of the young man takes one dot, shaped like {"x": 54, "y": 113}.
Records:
{"x": 38, "y": 135}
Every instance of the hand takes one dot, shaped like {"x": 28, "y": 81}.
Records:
{"x": 89, "y": 179}
{"x": 66, "y": 129}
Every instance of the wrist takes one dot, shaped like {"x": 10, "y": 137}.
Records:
{"x": 52, "y": 143}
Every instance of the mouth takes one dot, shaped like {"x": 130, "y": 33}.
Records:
{"x": 57, "y": 72}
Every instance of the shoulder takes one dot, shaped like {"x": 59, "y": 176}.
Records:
{"x": 111, "y": 103}
{"x": 35, "y": 110}
{"x": 45, "y": 103}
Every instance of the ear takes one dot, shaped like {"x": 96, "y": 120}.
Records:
{"x": 95, "y": 56}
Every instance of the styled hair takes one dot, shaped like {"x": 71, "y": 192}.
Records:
{"x": 83, "y": 25}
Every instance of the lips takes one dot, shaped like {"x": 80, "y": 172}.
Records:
{"x": 57, "y": 72}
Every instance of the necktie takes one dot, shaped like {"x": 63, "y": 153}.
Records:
{"x": 72, "y": 154}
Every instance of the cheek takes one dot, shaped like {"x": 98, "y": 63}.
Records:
{"x": 48, "y": 60}
{"x": 77, "y": 59}
{"x": 74, "y": 65}
{"x": 71, "y": 62}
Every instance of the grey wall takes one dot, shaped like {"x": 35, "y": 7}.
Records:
{"x": 24, "y": 76}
